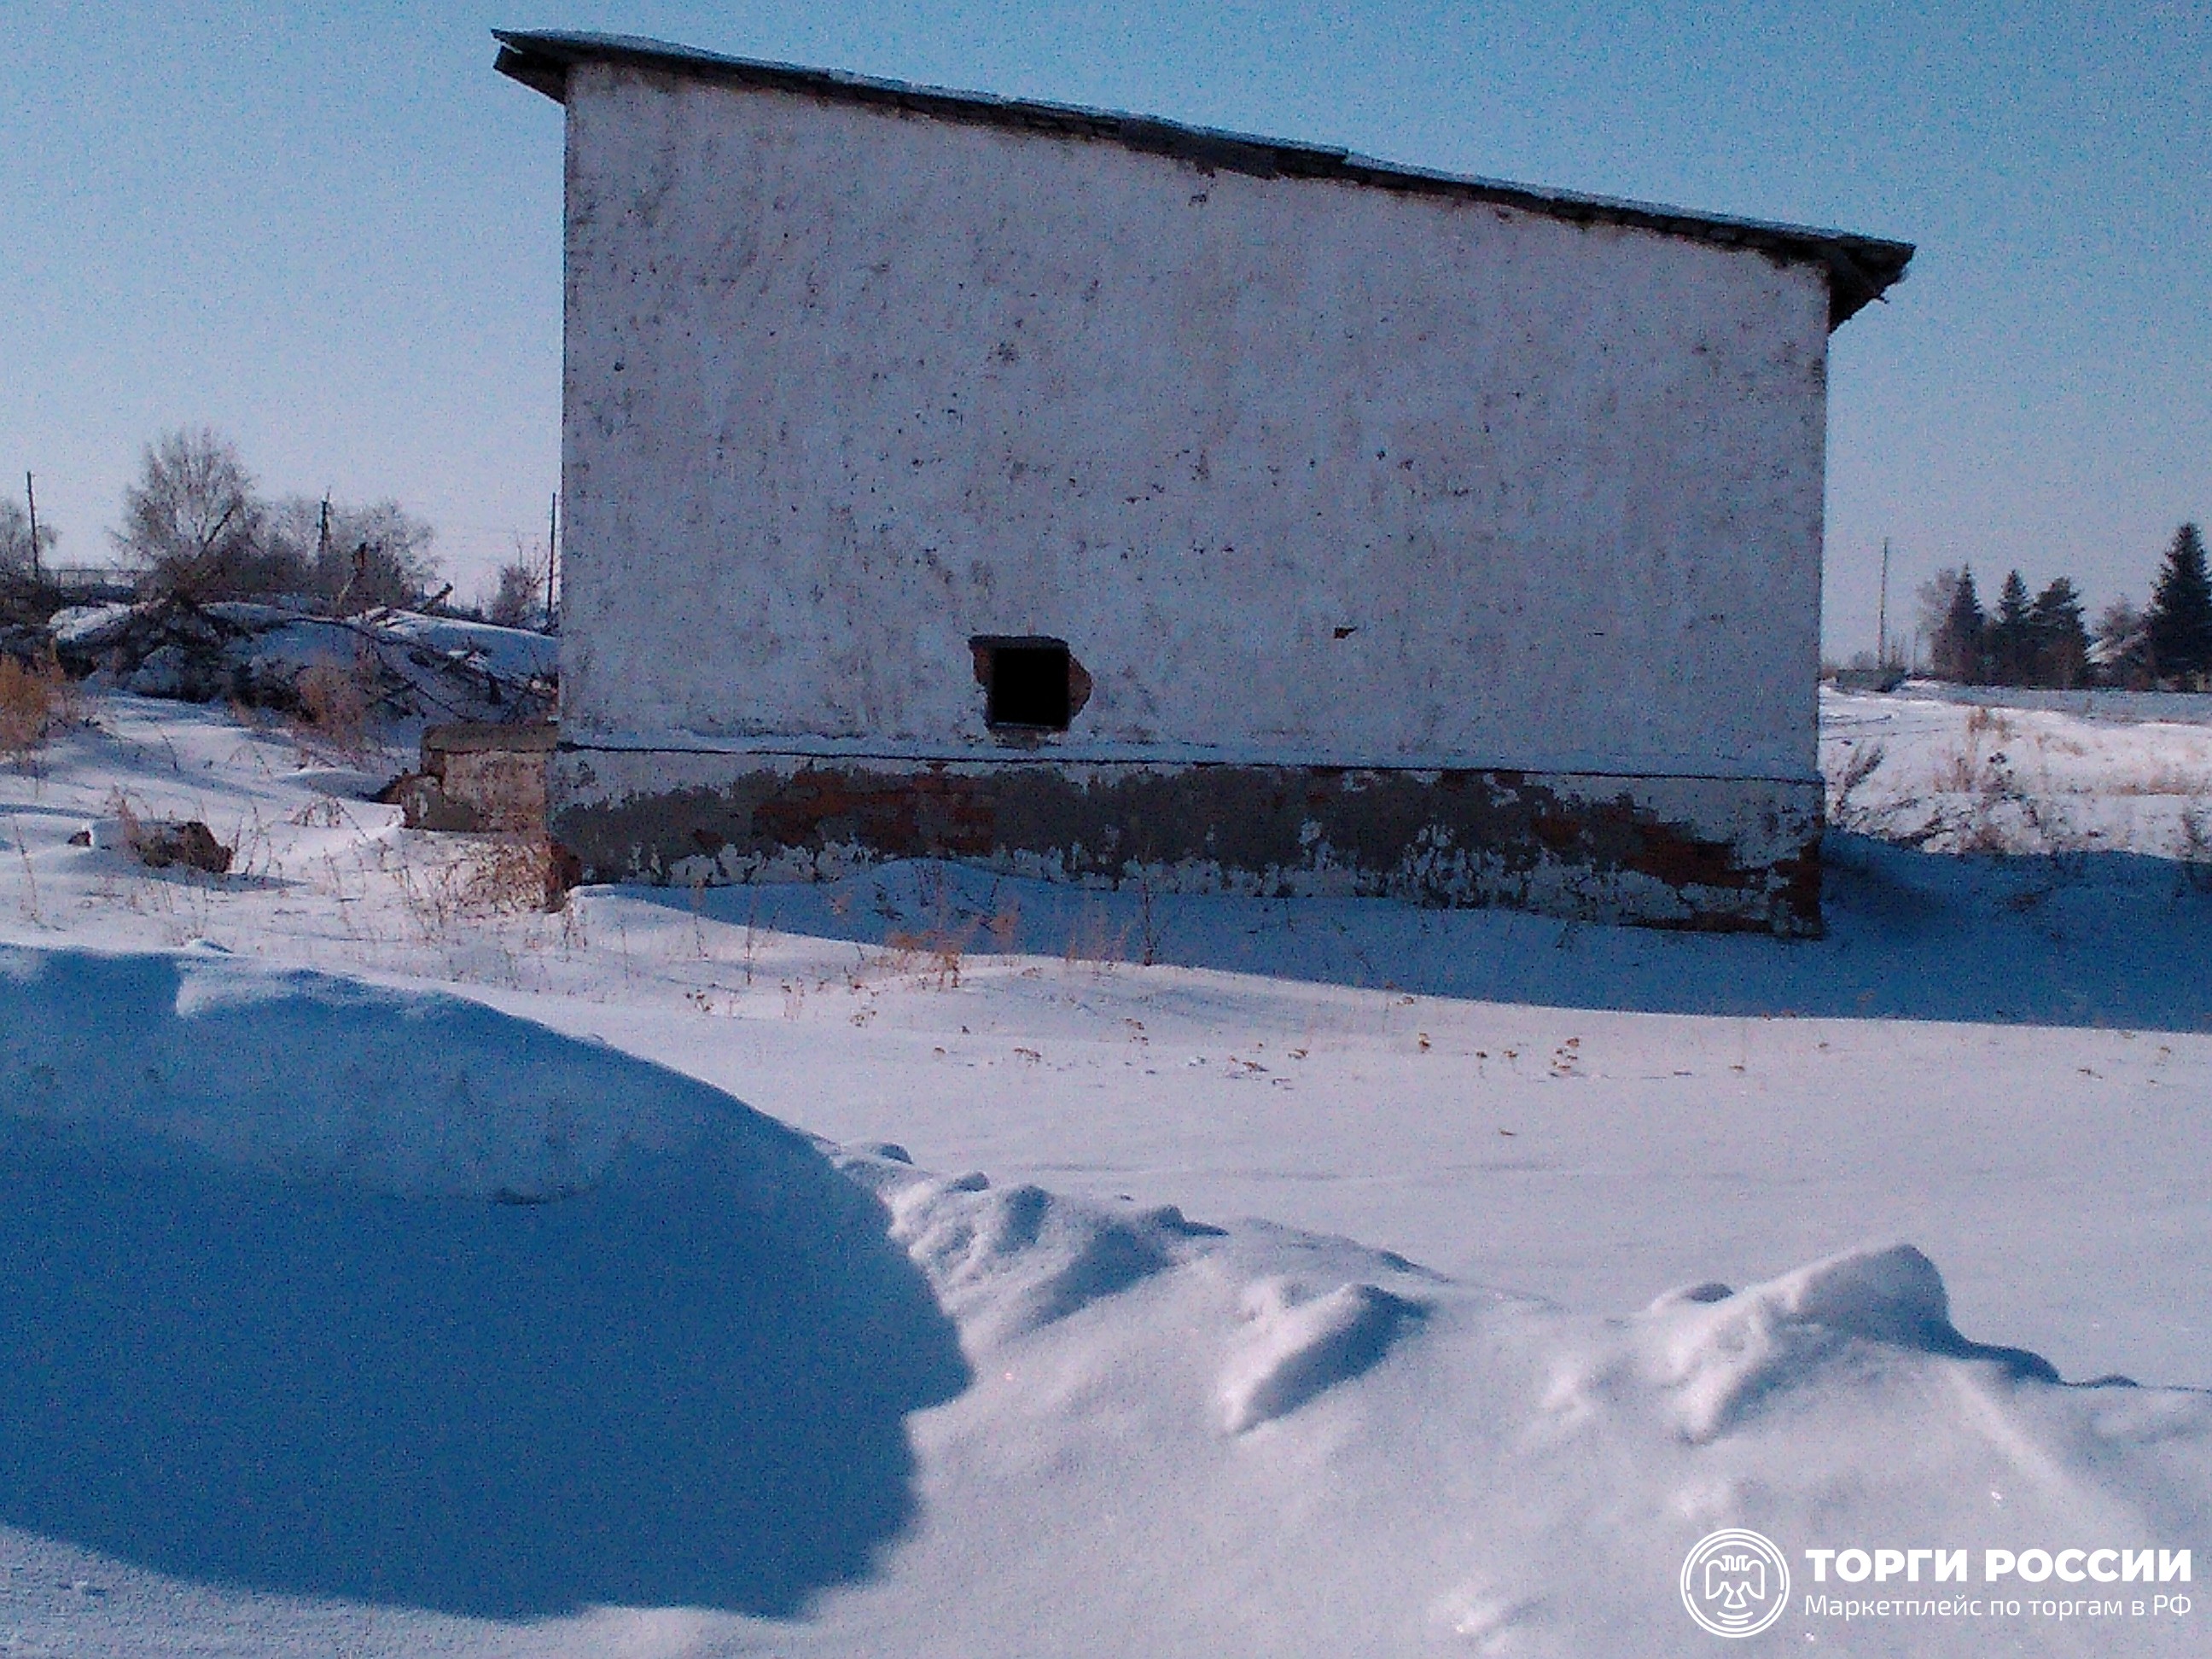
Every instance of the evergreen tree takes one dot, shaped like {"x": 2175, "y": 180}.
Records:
{"x": 2012, "y": 637}
{"x": 1962, "y": 643}
{"x": 2179, "y": 620}
{"x": 2062, "y": 643}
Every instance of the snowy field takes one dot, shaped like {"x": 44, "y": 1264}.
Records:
{"x": 936, "y": 1264}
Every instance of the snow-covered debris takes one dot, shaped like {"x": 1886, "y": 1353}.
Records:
{"x": 515, "y": 655}
{"x": 407, "y": 664}
{"x": 81, "y": 629}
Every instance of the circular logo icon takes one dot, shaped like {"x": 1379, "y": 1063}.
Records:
{"x": 1735, "y": 1583}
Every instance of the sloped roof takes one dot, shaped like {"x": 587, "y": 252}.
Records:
{"x": 1860, "y": 268}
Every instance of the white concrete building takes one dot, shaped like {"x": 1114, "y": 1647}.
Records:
{"x": 1099, "y": 497}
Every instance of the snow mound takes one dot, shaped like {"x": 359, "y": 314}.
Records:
{"x": 329, "y": 1290}
{"x": 89, "y": 627}
{"x": 1717, "y": 1353}
{"x": 515, "y": 653}
{"x": 1296, "y": 1346}
{"x": 1007, "y": 1261}
{"x": 300, "y": 1074}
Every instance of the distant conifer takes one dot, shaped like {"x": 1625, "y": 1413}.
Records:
{"x": 2180, "y": 621}
{"x": 2012, "y": 635}
{"x": 2061, "y": 639}
{"x": 1960, "y": 647}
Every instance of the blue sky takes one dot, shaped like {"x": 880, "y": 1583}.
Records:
{"x": 332, "y": 233}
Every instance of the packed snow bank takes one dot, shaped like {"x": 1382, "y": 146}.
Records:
{"x": 311, "y": 1077}
{"x": 1006, "y": 1261}
{"x": 319, "y": 1288}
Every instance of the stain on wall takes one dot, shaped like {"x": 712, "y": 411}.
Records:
{"x": 1713, "y": 853}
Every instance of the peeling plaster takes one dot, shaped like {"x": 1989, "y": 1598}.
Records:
{"x": 1725, "y": 853}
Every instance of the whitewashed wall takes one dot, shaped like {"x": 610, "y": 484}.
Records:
{"x": 846, "y": 386}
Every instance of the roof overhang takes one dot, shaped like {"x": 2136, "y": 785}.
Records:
{"x": 1860, "y": 268}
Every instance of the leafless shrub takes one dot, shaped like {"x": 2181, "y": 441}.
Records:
{"x": 34, "y": 699}
{"x": 1966, "y": 771}
{"x": 502, "y": 874}
{"x": 1865, "y": 760}
{"x": 514, "y": 601}
{"x": 336, "y": 703}
{"x": 351, "y": 558}
{"x": 942, "y": 948}
{"x": 1091, "y": 938}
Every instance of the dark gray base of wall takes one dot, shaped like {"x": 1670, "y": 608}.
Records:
{"x": 1722, "y": 854}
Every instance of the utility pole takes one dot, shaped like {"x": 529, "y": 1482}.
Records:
{"x": 552, "y": 561}
{"x": 31, "y": 496}
{"x": 323, "y": 533}
{"x": 1881, "y": 626}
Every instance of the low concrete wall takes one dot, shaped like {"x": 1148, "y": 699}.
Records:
{"x": 1717, "y": 854}
{"x": 477, "y": 777}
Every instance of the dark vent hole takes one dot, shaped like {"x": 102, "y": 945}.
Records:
{"x": 1026, "y": 684}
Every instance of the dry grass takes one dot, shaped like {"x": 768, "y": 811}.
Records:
{"x": 1093, "y": 938}
{"x": 504, "y": 874}
{"x": 2186, "y": 782}
{"x": 940, "y": 950}
{"x": 510, "y": 873}
{"x": 35, "y": 702}
{"x": 1864, "y": 760}
{"x": 336, "y": 702}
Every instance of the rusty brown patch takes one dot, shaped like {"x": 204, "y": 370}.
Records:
{"x": 1463, "y": 836}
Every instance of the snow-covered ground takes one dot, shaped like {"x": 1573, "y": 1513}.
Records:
{"x": 387, "y": 1267}
{"x": 1953, "y": 774}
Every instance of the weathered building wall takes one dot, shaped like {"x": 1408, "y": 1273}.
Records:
{"x": 1308, "y": 476}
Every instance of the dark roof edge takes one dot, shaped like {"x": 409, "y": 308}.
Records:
{"x": 1860, "y": 268}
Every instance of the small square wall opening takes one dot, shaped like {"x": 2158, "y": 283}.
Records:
{"x": 1025, "y": 682}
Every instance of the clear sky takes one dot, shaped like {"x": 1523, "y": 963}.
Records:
{"x": 333, "y": 233}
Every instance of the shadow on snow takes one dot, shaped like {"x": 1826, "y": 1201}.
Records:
{"x": 255, "y": 1329}
{"x": 2091, "y": 939}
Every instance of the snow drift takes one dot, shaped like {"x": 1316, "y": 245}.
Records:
{"x": 382, "y": 1296}
{"x": 317, "y": 1287}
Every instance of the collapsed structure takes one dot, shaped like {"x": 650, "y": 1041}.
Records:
{"x": 1109, "y": 500}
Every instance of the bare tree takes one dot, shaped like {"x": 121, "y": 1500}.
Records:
{"x": 2121, "y": 652}
{"x": 1933, "y": 599}
{"x": 354, "y": 558}
{"x": 514, "y": 597}
{"x": 191, "y": 524}
{"x": 15, "y": 552}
